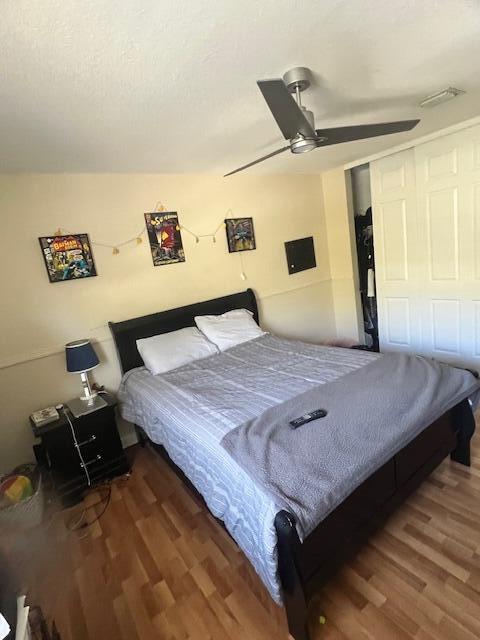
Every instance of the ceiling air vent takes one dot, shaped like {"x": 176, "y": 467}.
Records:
{"x": 441, "y": 96}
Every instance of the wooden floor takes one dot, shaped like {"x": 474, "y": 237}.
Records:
{"x": 157, "y": 565}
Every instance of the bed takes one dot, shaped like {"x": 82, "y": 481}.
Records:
{"x": 290, "y": 560}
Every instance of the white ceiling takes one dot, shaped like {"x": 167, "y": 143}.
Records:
{"x": 170, "y": 85}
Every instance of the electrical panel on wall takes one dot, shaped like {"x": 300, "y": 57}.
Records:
{"x": 300, "y": 255}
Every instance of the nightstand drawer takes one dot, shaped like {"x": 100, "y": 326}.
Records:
{"x": 94, "y": 447}
{"x": 91, "y": 460}
{"x": 89, "y": 440}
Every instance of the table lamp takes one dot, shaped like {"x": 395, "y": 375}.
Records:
{"x": 81, "y": 358}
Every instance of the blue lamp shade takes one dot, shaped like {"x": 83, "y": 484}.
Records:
{"x": 80, "y": 356}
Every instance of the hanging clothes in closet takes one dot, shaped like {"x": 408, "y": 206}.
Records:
{"x": 366, "y": 272}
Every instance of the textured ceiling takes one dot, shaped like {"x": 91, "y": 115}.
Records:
{"x": 169, "y": 86}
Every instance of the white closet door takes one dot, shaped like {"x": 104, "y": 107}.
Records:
{"x": 448, "y": 197}
{"x": 426, "y": 216}
{"x": 396, "y": 269}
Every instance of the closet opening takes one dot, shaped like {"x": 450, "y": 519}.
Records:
{"x": 364, "y": 242}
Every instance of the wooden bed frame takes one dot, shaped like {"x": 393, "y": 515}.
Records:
{"x": 304, "y": 566}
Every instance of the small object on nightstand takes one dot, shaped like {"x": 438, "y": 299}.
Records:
{"x": 81, "y": 451}
{"x": 44, "y": 416}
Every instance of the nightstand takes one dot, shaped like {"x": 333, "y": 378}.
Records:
{"x": 98, "y": 443}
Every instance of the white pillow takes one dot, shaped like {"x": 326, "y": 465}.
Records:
{"x": 171, "y": 350}
{"x": 229, "y": 329}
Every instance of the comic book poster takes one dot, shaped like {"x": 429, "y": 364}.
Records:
{"x": 165, "y": 238}
{"x": 240, "y": 234}
{"x": 68, "y": 257}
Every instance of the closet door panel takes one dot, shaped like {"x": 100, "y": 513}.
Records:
{"x": 397, "y": 322}
{"x": 442, "y": 233}
{"x": 394, "y": 239}
{"x": 476, "y": 230}
{"x": 445, "y": 327}
{"x": 469, "y": 245}
{"x": 426, "y": 216}
{"x": 394, "y": 222}
{"x": 448, "y": 217}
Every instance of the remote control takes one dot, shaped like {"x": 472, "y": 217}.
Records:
{"x": 307, "y": 417}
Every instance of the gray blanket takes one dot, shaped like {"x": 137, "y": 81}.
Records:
{"x": 311, "y": 470}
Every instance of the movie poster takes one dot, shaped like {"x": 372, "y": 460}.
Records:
{"x": 68, "y": 257}
{"x": 165, "y": 238}
{"x": 240, "y": 234}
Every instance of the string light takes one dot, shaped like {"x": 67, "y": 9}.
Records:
{"x": 114, "y": 247}
{"x": 137, "y": 239}
{"x": 159, "y": 207}
{"x": 199, "y": 236}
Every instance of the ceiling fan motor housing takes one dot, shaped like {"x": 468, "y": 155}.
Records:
{"x": 296, "y": 81}
{"x": 309, "y": 116}
{"x": 300, "y": 77}
{"x": 301, "y": 143}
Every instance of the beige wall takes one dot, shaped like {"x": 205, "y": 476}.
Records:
{"x": 341, "y": 239}
{"x": 37, "y": 317}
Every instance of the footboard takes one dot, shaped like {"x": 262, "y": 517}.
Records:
{"x": 303, "y": 566}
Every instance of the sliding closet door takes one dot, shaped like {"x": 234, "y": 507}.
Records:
{"x": 448, "y": 197}
{"x": 396, "y": 264}
{"x": 426, "y": 218}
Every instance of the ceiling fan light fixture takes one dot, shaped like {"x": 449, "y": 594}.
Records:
{"x": 300, "y": 144}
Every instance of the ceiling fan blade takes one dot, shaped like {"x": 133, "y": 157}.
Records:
{"x": 285, "y": 110}
{"x": 250, "y": 164}
{"x": 338, "y": 135}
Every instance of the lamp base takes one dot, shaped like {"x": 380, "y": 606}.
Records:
{"x": 80, "y": 407}
{"x": 87, "y": 397}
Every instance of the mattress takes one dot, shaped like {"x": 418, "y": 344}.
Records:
{"x": 189, "y": 411}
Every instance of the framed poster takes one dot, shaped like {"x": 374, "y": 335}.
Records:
{"x": 68, "y": 257}
{"x": 165, "y": 238}
{"x": 240, "y": 234}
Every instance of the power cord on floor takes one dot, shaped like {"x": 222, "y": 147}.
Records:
{"x": 79, "y": 523}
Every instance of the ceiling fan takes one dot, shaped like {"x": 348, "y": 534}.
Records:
{"x": 297, "y": 123}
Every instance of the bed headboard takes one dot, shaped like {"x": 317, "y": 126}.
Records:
{"x": 126, "y": 333}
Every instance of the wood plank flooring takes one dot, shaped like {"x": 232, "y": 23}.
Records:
{"x": 157, "y": 566}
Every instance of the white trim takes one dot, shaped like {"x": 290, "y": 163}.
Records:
{"x": 293, "y": 289}
{"x": 15, "y": 360}
{"x": 47, "y": 352}
{"x": 413, "y": 143}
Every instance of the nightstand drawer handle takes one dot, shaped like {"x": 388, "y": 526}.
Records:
{"x": 96, "y": 459}
{"x": 90, "y": 439}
